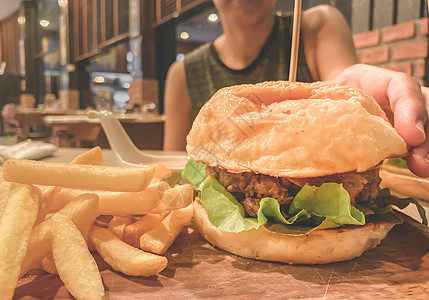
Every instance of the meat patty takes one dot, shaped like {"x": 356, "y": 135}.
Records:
{"x": 361, "y": 186}
{"x": 249, "y": 188}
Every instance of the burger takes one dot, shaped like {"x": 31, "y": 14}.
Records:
{"x": 289, "y": 171}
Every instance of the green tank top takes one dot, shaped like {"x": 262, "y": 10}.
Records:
{"x": 206, "y": 73}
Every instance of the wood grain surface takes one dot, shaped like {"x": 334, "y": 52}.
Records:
{"x": 397, "y": 269}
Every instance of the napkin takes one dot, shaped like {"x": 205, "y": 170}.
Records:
{"x": 28, "y": 149}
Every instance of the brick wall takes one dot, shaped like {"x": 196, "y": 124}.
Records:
{"x": 402, "y": 47}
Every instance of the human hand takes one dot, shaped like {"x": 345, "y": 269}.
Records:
{"x": 405, "y": 103}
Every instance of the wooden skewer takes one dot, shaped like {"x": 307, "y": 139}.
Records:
{"x": 295, "y": 40}
{"x": 428, "y": 7}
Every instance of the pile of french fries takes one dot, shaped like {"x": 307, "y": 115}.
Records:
{"x": 53, "y": 215}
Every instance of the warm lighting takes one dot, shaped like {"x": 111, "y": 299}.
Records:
{"x": 213, "y": 18}
{"x": 180, "y": 56}
{"x": 44, "y": 23}
{"x": 21, "y": 20}
{"x": 99, "y": 79}
{"x": 184, "y": 35}
{"x": 129, "y": 56}
{"x": 121, "y": 97}
{"x": 70, "y": 67}
{"x": 62, "y": 3}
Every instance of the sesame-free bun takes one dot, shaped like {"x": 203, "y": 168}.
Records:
{"x": 316, "y": 247}
{"x": 292, "y": 129}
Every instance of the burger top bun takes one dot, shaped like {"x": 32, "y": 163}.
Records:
{"x": 293, "y": 129}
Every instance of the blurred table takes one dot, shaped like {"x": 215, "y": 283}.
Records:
{"x": 31, "y": 120}
{"x": 146, "y": 131}
{"x": 66, "y": 155}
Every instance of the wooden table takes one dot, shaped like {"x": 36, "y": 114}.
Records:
{"x": 397, "y": 269}
{"x": 32, "y": 118}
{"x": 145, "y": 131}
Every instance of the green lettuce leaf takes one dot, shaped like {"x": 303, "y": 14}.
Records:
{"x": 313, "y": 208}
{"x": 269, "y": 208}
{"x": 385, "y": 199}
{"x": 372, "y": 209}
{"x": 227, "y": 214}
{"x": 224, "y": 211}
{"x": 391, "y": 217}
{"x": 194, "y": 172}
{"x": 398, "y": 162}
{"x": 329, "y": 200}
{"x": 299, "y": 229}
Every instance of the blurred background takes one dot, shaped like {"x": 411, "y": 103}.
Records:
{"x": 63, "y": 56}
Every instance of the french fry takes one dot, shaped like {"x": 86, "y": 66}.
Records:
{"x": 125, "y": 258}
{"x": 118, "y": 223}
{"x": 64, "y": 196}
{"x": 93, "y": 156}
{"x": 46, "y": 194}
{"x": 48, "y": 264}
{"x": 155, "y": 199}
{"x": 75, "y": 264}
{"x": 5, "y": 188}
{"x": 161, "y": 172}
{"x": 177, "y": 197}
{"x": 133, "y": 231}
{"x": 117, "y": 203}
{"x": 121, "y": 179}
{"x": 159, "y": 239}
{"x": 15, "y": 230}
{"x": 82, "y": 211}
{"x": 113, "y": 203}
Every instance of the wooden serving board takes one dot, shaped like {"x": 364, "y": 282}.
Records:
{"x": 398, "y": 268}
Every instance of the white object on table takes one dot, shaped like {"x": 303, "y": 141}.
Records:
{"x": 127, "y": 153}
{"x": 28, "y": 149}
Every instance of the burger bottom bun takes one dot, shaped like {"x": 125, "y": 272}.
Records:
{"x": 316, "y": 247}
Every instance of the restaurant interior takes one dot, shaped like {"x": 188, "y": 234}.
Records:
{"x": 61, "y": 58}
{"x": 293, "y": 199}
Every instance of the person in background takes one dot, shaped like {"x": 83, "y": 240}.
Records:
{"x": 255, "y": 47}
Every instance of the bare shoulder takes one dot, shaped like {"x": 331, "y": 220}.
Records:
{"x": 177, "y": 108}
{"x": 328, "y": 42}
{"x": 177, "y": 71}
{"x": 317, "y": 17}
{"x": 175, "y": 84}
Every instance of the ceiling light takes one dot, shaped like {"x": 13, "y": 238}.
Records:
{"x": 129, "y": 56}
{"x": 180, "y": 56}
{"x": 213, "y": 18}
{"x": 21, "y": 20}
{"x": 99, "y": 79}
{"x": 184, "y": 35}
{"x": 44, "y": 23}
